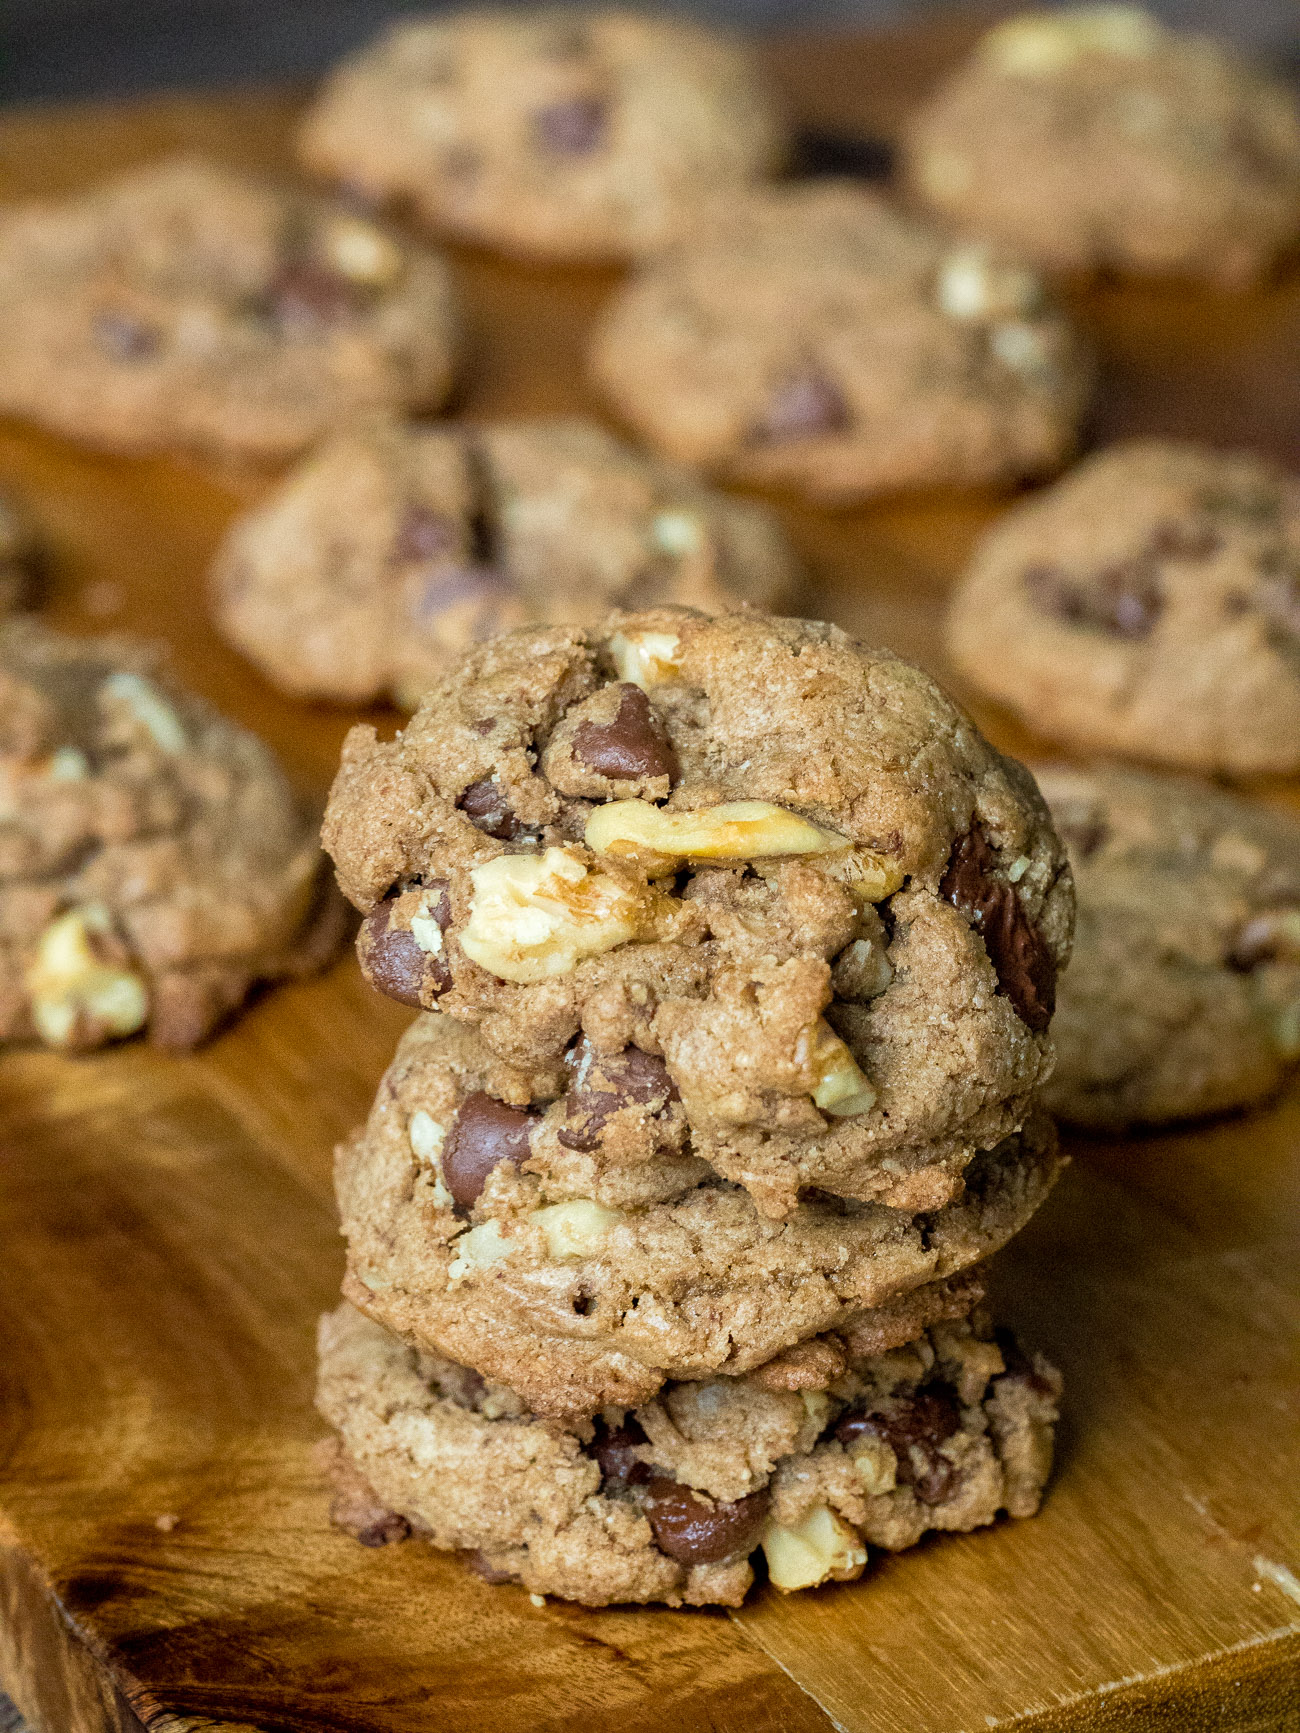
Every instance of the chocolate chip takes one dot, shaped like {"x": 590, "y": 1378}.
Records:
{"x": 1278, "y": 600}
{"x": 424, "y": 534}
{"x": 462, "y": 162}
{"x": 632, "y": 746}
{"x": 306, "y": 297}
{"x": 1018, "y": 1363}
{"x": 484, "y": 1133}
{"x": 695, "y": 1531}
{"x": 482, "y": 1566}
{"x": 488, "y": 592}
{"x": 1126, "y": 600}
{"x": 1025, "y": 967}
{"x": 913, "y": 1427}
{"x": 573, "y": 128}
{"x": 1185, "y": 540}
{"x": 802, "y": 406}
{"x": 603, "y": 1083}
{"x": 614, "y": 1448}
{"x": 485, "y": 805}
{"x": 393, "y": 962}
{"x": 125, "y": 337}
{"x": 1083, "y": 834}
{"x": 1262, "y": 939}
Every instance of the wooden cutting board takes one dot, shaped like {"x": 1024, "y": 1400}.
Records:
{"x": 167, "y": 1235}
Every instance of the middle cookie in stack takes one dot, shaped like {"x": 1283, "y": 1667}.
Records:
{"x": 738, "y": 945}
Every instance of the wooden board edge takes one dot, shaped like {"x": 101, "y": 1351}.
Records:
{"x": 56, "y": 1681}
{"x": 1253, "y": 1688}
{"x": 54, "y": 1676}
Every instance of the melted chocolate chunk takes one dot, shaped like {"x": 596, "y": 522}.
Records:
{"x": 484, "y": 1133}
{"x": 1124, "y": 601}
{"x": 1262, "y": 939}
{"x": 424, "y": 534}
{"x": 803, "y": 406}
{"x": 1018, "y": 1364}
{"x": 484, "y": 804}
{"x": 125, "y": 337}
{"x": 306, "y": 297}
{"x": 482, "y": 1567}
{"x": 1082, "y": 830}
{"x": 694, "y": 1531}
{"x": 603, "y": 1083}
{"x": 393, "y": 962}
{"x": 1278, "y": 600}
{"x": 633, "y": 745}
{"x": 482, "y": 592}
{"x": 573, "y": 128}
{"x": 1185, "y": 539}
{"x": 1025, "y": 968}
{"x": 614, "y": 1448}
{"x": 913, "y": 1427}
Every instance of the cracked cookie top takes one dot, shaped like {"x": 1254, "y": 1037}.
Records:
{"x": 556, "y": 133}
{"x": 784, "y": 864}
{"x": 154, "y": 862}
{"x": 1095, "y": 137}
{"x": 394, "y": 547}
{"x": 812, "y": 335}
{"x": 1147, "y": 604}
{"x": 1183, "y": 994}
{"x": 184, "y": 305}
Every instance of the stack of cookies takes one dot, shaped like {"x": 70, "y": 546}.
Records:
{"x": 735, "y": 946}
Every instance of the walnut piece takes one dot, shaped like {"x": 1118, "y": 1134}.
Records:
{"x": 821, "y": 1546}
{"x": 534, "y": 916}
{"x": 76, "y": 995}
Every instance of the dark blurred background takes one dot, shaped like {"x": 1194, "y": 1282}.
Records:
{"x": 68, "y": 48}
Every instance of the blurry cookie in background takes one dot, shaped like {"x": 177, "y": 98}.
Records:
{"x": 811, "y": 336}
{"x": 556, "y": 133}
{"x": 394, "y": 547}
{"x": 1148, "y": 604}
{"x": 1095, "y": 137}
{"x": 182, "y": 305}
{"x": 154, "y": 863}
{"x": 1182, "y": 996}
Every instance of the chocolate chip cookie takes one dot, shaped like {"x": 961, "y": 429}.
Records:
{"x": 812, "y": 336}
{"x": 394, "y": 547}
{"x": 782, "y": 863}
{"x": 873, "y": 1447}
{"x": 557, "y": 1229}
{"x": 1097, "y": 138}
{"x": 1183, "y": 994}
{"x": 153, "y": 861}
{"x": 1148, "y": 604}
{"x": 186, "y": 306}
{"x": 553, "y": 133}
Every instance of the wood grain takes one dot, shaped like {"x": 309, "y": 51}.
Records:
{"x": 169, "y": 1237}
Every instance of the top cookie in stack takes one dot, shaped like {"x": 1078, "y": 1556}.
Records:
{"x": 786, "y": 864}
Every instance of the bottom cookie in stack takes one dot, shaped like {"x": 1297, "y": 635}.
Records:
{"x": 868, "y": 1437}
